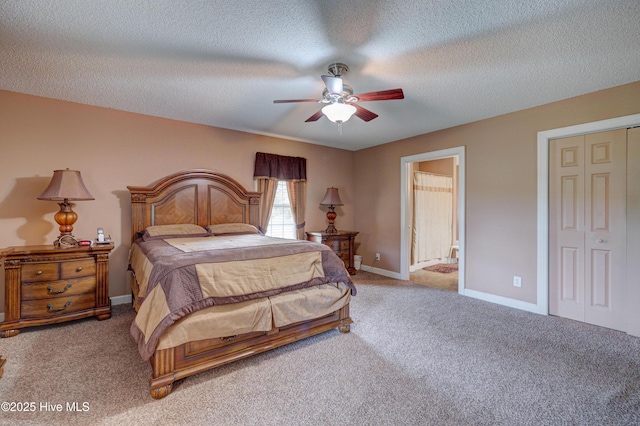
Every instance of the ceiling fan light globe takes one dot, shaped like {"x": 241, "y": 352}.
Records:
{"x": 338, "y": 112}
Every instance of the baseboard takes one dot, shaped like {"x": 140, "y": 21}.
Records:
{"x": 500, "y": 300}
{"x": 446, "y": 260}
{"x": 121, "y": 300}
{"x": 383, "y": 272}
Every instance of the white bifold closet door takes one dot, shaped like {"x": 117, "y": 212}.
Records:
{"x": 587, "y": 228}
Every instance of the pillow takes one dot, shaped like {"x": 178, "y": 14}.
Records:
{"x": 233, "y": 229}
{"x": 174, "y": 231}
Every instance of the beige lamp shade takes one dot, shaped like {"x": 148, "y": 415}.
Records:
{"x": 331, "y": 198}
{"x": 66, "y": 185}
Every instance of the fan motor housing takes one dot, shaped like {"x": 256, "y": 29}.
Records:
{"x": 338, "y": 69}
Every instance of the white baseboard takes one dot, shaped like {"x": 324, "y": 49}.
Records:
{"x": 420, "y": 265}
{"x": 500, "y": 300}
{"x": 121, "y": 300}
{"x": 383, "y": 272}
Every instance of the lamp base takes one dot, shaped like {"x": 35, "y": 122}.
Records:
{"x": 65, "y": 218}
{"x": 331, "y": 217}
{"x": 66, "y": 240}
{"x": 330, "y": 229}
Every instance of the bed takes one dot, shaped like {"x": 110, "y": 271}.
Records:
{"x": 201, "y": 312}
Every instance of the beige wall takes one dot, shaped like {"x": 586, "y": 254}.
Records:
{"x": 113, "y": 149}
{"x": 443, "y": 166}
{"x": 501, "y": 197}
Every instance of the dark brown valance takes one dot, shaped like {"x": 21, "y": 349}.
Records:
{"x": 273, "y": 166}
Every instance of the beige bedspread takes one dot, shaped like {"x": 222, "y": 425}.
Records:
{"x": 180, "y": 276}
{"x": 257, "y": 315}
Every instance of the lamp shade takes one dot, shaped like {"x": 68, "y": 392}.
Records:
{"x": 331, "y": 198}
{"x": 66, "y": 185}
{"x": 338, "y": 112}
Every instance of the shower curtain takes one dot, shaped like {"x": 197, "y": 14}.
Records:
{"x": 432, "y": 216}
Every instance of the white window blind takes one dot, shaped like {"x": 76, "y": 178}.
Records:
{"x": 281, "y": 223}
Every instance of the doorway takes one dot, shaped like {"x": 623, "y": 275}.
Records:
{"x": 410, "y": 267}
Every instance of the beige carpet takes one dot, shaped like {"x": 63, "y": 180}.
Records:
{"x": 415, "y": 355}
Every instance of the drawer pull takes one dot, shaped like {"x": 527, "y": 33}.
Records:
{"x": 39, "y": 273}
{"x": 52, "y": 309}
{"x": 52, "y": 291}
{"x": 79, "y": 268}
{"x": 229, "y": 338}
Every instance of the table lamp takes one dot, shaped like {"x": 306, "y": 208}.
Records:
{"x": 64, "y": 186}
{"x": 331, "y": 199}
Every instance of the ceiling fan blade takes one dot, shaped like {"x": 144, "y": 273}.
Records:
{"x": 334, "y": 84}
{"x": 314, "y": 117}
{"x": 363, "y": 113}
{"x": 384, "y": 95}
{"x": 284, "y": 101}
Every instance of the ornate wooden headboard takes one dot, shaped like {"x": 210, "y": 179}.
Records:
{"x": 195, "y": 196}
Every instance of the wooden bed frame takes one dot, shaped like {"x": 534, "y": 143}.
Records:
{"x": 204, "y": 197}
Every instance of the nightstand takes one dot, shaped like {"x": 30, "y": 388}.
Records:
{"x": 48, "y": 285}
{"x": 341, "y": 242}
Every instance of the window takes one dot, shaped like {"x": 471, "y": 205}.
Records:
{"x": 281, "y": 223}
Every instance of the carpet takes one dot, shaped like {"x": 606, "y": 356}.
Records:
{"x": 443, "y": 268}
{"x": 414, "y": 356}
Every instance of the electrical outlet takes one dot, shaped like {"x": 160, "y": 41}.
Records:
{"x": 377, "y": 256}
{"x": 517, "y": 281}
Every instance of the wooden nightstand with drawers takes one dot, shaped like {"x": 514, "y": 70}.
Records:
{"x": 48, "y": 285}
{"x": 341, "y": 242}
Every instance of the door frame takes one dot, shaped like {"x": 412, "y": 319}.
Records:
{"x": 406, "y": 207}
{"x": 544, "y": 137}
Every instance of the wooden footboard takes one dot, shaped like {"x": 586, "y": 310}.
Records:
{"x": 191, "y": 358}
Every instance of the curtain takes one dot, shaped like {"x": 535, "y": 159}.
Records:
{"x": 432, "y": 216}
{"x": 268, "y": 170}
{"x": 297, "y": 194}
{"x": 268, "y": 189}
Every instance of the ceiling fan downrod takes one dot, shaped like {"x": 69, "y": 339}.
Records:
{"x": 338, "y": 69}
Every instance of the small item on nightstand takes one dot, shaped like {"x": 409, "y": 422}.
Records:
{"x": 101, "y": 238}
{"x": 85, "y": 243}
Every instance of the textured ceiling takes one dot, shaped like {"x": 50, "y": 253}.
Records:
{"x": 222, "y": 63}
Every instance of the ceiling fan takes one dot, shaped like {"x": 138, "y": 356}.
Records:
{"x": 340, "y": 100}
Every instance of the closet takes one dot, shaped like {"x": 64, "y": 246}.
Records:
{"x": 590, "y": 182}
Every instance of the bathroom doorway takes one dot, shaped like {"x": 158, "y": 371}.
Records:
{"x": 432, "y": 205}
